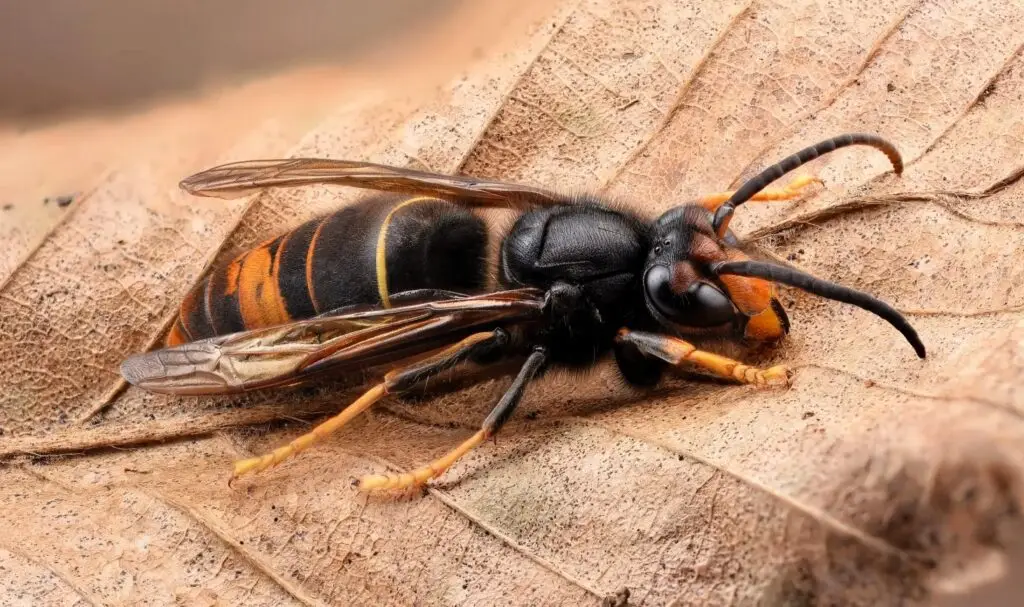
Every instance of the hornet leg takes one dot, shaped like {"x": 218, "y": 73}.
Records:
{"x": 396, "y": 381}
{"x": 497, "y": 418}
{"x": 676, "y": 351}
{"x": 792, "y": 190}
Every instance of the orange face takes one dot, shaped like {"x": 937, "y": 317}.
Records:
{"x": 756, "y": 298}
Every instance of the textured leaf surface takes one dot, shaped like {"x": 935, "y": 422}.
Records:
{"x": 876, "y": 477}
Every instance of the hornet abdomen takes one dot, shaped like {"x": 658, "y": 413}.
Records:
{"x": 334, "y": 261}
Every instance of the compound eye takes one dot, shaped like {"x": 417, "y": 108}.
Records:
{"x": 710, "y": 307}
{"x": 658, "y": 286}
{"x": 702, "y": 305}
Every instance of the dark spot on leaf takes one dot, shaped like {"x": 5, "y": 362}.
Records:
{"x": 62, "y": 201}
{"x": 991, "y": 88}
{"x": 619, "y": 599}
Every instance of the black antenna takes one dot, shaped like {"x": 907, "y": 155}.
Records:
{"x": 823, "y": 288}
{"x": 770, "y": 174}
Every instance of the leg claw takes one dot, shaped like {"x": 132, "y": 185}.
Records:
{"x": 383, "y": 482}
{"x": 777, "y": 376}
{"x": 371, "y": 482}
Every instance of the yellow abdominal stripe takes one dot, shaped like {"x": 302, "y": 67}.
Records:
{"x": 382, "y": 250}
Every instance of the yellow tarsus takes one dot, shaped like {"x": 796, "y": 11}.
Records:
{"x": 364, "y": 402}
{"x": 275, "y": 457}
{"x": 791, "y": 190}
{"x": 419, "y": 476}
{"x": 727, "y": 367}
{"x": 676, "y": 351}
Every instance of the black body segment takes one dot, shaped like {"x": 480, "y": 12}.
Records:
{"x": 197, "y": 321}
{"x": 580, "y": 244}
{"x": 436, "y": 245}
{"x": 342, "y": 269}
{"x": 330, "y": 263}
{"x": 590, "y": 259}
{"x": 429, "y": 245}
{"x": 222, "y": 302}
{"x": 291, "y": 278}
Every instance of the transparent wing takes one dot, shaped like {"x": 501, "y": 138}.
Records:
{"x": 242, "y": 178}
{"x": 299, "y": 352}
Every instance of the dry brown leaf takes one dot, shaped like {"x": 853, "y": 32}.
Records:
{"x": 877, "y": 478}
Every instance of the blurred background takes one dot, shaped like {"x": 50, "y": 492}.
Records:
{"x": 66, "y": 57}
{"x": 90, "y": 86}
{"x": 61, "y": 58}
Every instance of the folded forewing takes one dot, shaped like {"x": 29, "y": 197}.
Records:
{"x": 298, "y": 352}
{"x": 242, "y": 178}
